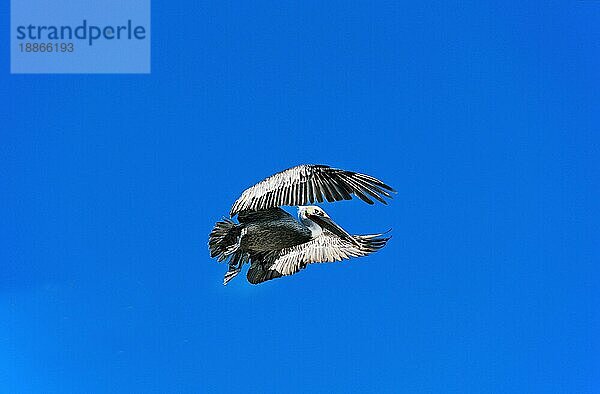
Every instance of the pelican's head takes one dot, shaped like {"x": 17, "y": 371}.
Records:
{"x": 310, "y": 210}
{"x": 313, "y": 216}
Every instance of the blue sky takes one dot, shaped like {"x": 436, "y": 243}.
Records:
{"x": 484, "y": 117}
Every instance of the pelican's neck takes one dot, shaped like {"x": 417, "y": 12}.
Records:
{"x": 315, "y": 229}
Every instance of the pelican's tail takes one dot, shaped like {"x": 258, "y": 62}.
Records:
{"x": 224, "y": 239}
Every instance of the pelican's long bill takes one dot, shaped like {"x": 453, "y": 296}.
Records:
{"x": 330, "y": 225}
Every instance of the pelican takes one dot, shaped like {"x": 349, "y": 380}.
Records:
{"x": 274, "y": 242}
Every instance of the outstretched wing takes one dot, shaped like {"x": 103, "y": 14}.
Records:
{"x": 323, "y": 249}
{"x": 305, "y": 184}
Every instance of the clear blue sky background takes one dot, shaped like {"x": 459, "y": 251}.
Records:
{"x": 484, "y": 117}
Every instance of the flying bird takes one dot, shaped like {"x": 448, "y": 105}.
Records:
{"x": 274, "y": 243}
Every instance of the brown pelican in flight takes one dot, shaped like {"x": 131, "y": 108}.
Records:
{"x": 274, "y": 242}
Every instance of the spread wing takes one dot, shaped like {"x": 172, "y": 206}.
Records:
{"x": 323, "y": 249}
{"x": 305, "y": 184}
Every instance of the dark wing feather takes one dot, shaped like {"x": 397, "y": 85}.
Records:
{"x": 263, "y": 215}
{"x": 306, "y": 184}
{"x": 323, "y": 249}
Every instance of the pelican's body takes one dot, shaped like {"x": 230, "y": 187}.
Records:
{"x": 275, "y": 242}
{"x": 271, "y": 229}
